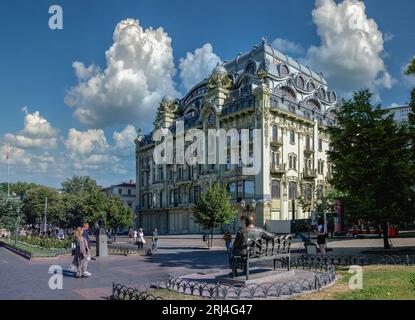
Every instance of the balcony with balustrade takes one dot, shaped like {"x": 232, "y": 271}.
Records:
{"x": 278, "y": 168}
{"x": 309, "y": 173}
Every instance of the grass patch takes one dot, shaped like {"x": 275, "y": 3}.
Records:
{"x": 379, "y": 283}
{"x": 36, "y": 252}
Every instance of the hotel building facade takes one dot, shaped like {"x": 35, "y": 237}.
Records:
{"x": 261, "y": 89}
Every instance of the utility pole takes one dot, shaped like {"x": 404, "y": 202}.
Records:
{"x": 46, "y": 213}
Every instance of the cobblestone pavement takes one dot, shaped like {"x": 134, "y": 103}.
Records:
{"x": 24, "y": 279}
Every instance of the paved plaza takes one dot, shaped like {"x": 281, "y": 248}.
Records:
{"x": 28, "y": 279}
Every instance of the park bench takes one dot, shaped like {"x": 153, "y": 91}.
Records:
{"x": 259, "y": 250}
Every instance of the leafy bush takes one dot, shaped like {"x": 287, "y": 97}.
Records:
{"x": 47, "y": 242}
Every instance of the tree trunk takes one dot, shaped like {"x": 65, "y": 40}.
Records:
{"x": 386, "y": 243}
{"x": 211, "y": 239}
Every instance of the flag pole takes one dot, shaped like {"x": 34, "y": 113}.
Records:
{"x": 8, "y": 171}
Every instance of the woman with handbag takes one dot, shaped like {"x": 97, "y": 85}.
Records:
{"x": 80, "y": 254}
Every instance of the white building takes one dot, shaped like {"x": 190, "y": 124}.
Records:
{"x": 261, "y": 89}
{"x": 127, "y": 192}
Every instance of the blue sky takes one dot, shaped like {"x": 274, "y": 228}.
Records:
{"x": 37, "y": 69}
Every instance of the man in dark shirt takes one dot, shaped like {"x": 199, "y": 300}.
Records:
{"x": 249, "y": 232}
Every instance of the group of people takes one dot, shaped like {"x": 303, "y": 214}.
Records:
{"x": 139, "y": 240}
{"x": 81, "y": 251}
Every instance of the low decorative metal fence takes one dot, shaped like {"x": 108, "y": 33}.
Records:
{"x": 323, "y": 276}
{"x": 341, "y": 260}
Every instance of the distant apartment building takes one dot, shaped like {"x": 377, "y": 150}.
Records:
{"x": 400, "y": 114}
{"x": 127, "y": 192}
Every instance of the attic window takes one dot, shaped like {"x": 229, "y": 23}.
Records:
{"x": 300, "y": 82}
{"x": 250, "y": 68}
{"x": 284, "y": 71}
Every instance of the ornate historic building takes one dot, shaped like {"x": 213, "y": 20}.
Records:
{"x": 261, "y": 89}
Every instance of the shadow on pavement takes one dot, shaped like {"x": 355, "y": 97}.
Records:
{"x": 196, "y": 259}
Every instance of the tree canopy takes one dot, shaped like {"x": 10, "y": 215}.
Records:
{"x": 214, "y": 208}
{"x": 371, "y": 154}
{"x": 80, "y": 200}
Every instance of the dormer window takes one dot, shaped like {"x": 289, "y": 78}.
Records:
{"x": 300, "y": 82}
{"x": 284, "y": 71}
{"x": 322, "y": 93}
{"x": 250, "y": 68}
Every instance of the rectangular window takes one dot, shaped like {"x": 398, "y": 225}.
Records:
{"x": 196, "y": 193}
{"x": 307, "y": 142}
{"x": 292, "y": 191}
{"x": 292, "y": 136}
{"x": 320, "y": 145}
{"x": 249, "y": 189}
{"x": 275, "y": 189}
{"x": 240, "y": 190}
{"x": 274, "y": 133}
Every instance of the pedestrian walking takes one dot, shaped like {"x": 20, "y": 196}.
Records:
{"x": 140, "y": 240}
{"x": 155, "y": 239}
{"x": 135, "y": 236}
{"x": 321, "y": 237}
{"x": 80, "y": 254}
{"x": 228, "y": 241}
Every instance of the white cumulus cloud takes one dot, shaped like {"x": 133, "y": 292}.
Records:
{"x": 352, "y": 47}
{"x": 37, "y": 133}
{"x": 197, "y": 65}
{"x": 139, "y": 72}
{"x": 124, "y": 141}
{"x": 287, "y": 46}
{"x": 86, "y": 142}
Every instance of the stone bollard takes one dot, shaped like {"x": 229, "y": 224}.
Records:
{"x": 102, "y": 246}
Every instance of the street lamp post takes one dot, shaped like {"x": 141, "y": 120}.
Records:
{"x": 17, "y": 226}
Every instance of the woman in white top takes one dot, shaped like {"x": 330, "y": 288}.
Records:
{"x": 140, "y": 239}
{"x": 135, "y": 236}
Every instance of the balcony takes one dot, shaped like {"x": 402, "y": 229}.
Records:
{"x": 310, "y": 173}
{"x": 308, "y": 151}
{"x": 277, "y": 142}
{"x": 278, "y": 168}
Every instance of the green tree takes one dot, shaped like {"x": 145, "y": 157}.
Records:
{"x": 214, "y": 209}
{"x": 9, "y": 211}
{"x": 18, "y": 188}
{"x": 372, "y": 163}
{"x": 79, "y": 184}
{"x": 84, "y": 201}
{"x": 34, "y": 205}
{"x": 118, "y": 215}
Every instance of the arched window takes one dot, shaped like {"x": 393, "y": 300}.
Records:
{"x": 313, "y": 104}
{"x": 308, "y": 191}
{"x": 300, "y": 82}
{"x": 250, "y": 68}
{"x": 311, "y": 86}
{"x": 288, "y": 93}
{"x": 322, "y": 93}
{"x": 292, "y": 190}
{"x": 275, "y": 189}
{"x": 333, "y": 97}
{"x": 284, "y": 71}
